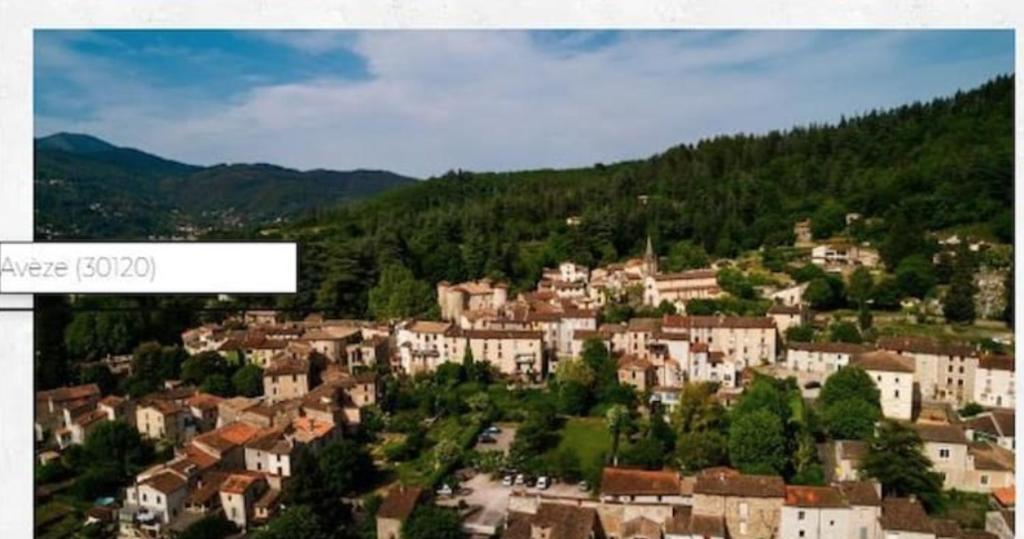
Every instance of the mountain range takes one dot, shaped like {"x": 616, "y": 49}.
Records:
{"x": 89, "y": 188}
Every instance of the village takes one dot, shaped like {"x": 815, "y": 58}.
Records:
{"x": 326, "y": 380}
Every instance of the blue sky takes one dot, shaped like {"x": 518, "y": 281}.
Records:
{"x": 422, "y": 102}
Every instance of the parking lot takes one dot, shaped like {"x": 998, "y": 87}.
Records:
{"x": 490, "y": 500}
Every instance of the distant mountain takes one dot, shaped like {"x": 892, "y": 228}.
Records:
{"x": 89, "y": 188}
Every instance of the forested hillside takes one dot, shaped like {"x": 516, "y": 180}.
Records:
{"x": 922, "y": 167}
{"x": 89, "y": 188}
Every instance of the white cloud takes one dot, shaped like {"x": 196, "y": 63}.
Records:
{"x": 497, "y": 100}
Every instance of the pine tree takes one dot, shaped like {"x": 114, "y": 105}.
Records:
{"x": 959, "y": 302}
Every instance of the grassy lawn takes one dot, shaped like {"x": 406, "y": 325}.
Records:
{"x": 588, "y": 438}
{"x": 967, "y": 508}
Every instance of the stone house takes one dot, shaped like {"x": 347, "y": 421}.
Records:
{"x": 944, "y": 372}
{"x": 894, "y": 376}
{"x": 750, "y": 504}
{"x": 823, "y": 358}
{"x": 995, "y": 382}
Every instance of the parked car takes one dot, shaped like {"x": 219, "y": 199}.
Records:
{"x": 507, "y": 481}
{"x": 486, "y": 439}
{"x": 493, "y": 429}
{"x": 583, "y": 486}
{"x": 520, "y": 479}
{"x": 445, "y": 490}
{"x": 543, "y": 482}
{"x": 531, "y": 481}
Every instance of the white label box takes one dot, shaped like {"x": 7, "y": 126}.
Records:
{"x": 148, "y": 268}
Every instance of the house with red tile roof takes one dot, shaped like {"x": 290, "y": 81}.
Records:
{"x": 395, "y": 509}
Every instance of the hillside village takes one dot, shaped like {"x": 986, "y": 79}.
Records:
{"x": 474, "y": 413}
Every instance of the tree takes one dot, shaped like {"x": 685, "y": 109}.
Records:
{"x": 864, "y": 318}
{"x": 197, "y": 368}
{"x": 399, "y": 294}
{"x": 861, "y": 283}
{"x": 648, "y": 453}
{"x": 824, "y": 293}
{"x": 119, "y": 445}
{"x": 432, "y": 522}
{"x": 896, "y": 459}
{"x": 765, "y": 394}
{"x": 849, "y": 383}
{"x": 886, "y": 294}
{"x": 851, "y": 419}
{"x": 801, "y": 333}
{"x": 1008, "y": 291}
{"x": 248, "y": 381}
{"x": 701, "y": 449}
{"x": 686, "y": 255}
{"x": 211, "y": 527}
{"x": 573, "y": 398}
{"x": 844, "y": 332}
{"x": 567, "y": 465}
{"x": 97, "y": 481}
{"x": 294, "y": 521}
{"x": 829, "y": 219}
{"x": 603, "y": 365}
{"x": 575, "y": 371}
{"x": 698, "y": 409}
{"x": 971, "y": 409}
{"x": 95, "y": 334}
{"x": 218, "y": 384}
{"x": 915, "y": 275}
{"x": 905, "y": 238}
{"x": 808, "y": 272}
{"x": 346, "y": 467}
{"x": 757, "y": 443}
{"x": 699, "y": 421}
{"x": 152, "y": 364}
{"x": 617, "y": 418}
{"x": 959, "y": 301}
{"x": 101, "y": 376}
{"x": 446, "y": 453}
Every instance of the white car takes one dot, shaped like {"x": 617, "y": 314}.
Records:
{"x": 445, "y": 490}
{"x": 507, "y": 481}
{"x": 520, "y": 479}
{"x": 543, "y": 482}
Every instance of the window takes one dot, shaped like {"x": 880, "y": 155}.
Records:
{"x": 984, "y": 479}
{"x": 896, "y": 393}
{"x": 743, "y": 528}
{"x": 944, "y": 453}
{"x": 802, "y": 533}
{"x": 800, "y": 515}
{"x": 744, "y": 511}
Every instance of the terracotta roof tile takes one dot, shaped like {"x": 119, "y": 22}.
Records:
{"x": 629, "y": 482}
{"x": 808, "y": 496}
{"x": 731, "y": 484}
{"x": 399, "y": 502}
{"x": 881, "y": 360}
{"x": 903, "y": 514}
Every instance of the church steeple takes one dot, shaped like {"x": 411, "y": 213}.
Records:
{"x": 650, "y": 258}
